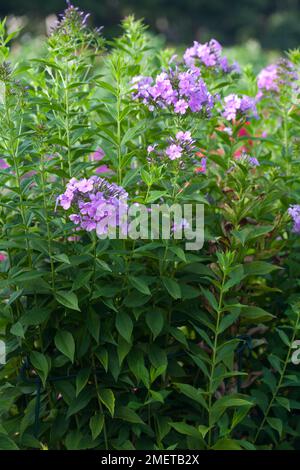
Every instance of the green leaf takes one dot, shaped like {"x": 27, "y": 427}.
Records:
{"x": 193, "y": 393}
{"x": 124, "y": 325}
{"x": 62, "y": 258}
{"x": 154, "y": 195}
{"x": 187, "y": 430}
{"x": 257, "y": 268}
{"x": 210, "y": 298}
{"x": 172, "y": 287}
{"x": 255, "y": 314}
{"x": 139, "y": 284}
{"x": 35, "y": 316}
{"x": 82, "y": 379}
{"x": 41, "y": 363}
{"x": 17, "y": 330}
{"x": 79, "y": 402}
{"x": 155, "y": 322}
{"x": 127, "y": 414}
{"x": 226, "y": 444}
{"x": 108, "y": 399}
{"x": 68, "y": 299}
{"x": 225, "y": 402}
{"x": 102, "y": 356}
{"x": 276, "y": 424}
{"x": 65, "y": 343}
{"x": 6, "y": 443}
{"x": 96, "y": 424}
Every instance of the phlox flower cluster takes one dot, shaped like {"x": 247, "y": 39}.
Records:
{"x": 180, "y": 146}
{"x": 274, "y": 76}
{"x": 236, "y": 106}
{"x": 178, "y": 91}
{"x": 94, "y": 201}
{"x": 294, "y": 212}
{"x": 210, "y": 55}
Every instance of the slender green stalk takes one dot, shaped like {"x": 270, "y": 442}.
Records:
{"x": 279, "y": 383}
{"x": 213, "y": 361}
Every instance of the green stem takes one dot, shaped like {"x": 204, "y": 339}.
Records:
{"x": 213, "y": 362}
{"x": 99, "y": 403}
{"x": 274, "y": 395}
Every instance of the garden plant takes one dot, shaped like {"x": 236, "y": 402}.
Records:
{"x": 142, "y": 344}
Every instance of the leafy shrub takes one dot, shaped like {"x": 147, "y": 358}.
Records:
{"x": 140, "y": 344}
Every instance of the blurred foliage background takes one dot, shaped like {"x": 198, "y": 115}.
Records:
{"x": 274, "y": 24}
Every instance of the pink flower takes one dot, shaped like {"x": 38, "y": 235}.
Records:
{"x": 102, "y": 169}
{"x": 3, "y": 164}
{"x": 99, "y": 154}
{"x": 174, "y": 151}
{"x": 3, "y": 257}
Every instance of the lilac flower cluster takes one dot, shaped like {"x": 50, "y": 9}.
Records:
{"x": 72, "y": 17}
{"x": 180, "y": 91}
{"x": 235, "y": 106}
{"x": 210, "y": 55}
{"x": 267, "y": 78}
{"x": 182, "y": 144}
{"x": 272, "y": 77}
{"x": 97, "y": 204}
{"x": 294, "y": 212}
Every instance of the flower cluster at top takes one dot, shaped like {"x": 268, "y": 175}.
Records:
{"x": 235, "y": 106}
{"x": 272, "y": 77}
{"x": 96, "y": 204}
{"x": 179, "y": 91}
{"x": 210, "y": 55}
{"x": 294, "y": 212}
{"x": 72, "y": 16}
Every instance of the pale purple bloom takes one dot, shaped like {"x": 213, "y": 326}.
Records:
{"x": 180, "y": 91}
{"x": 102, "y": 169}
{"x": 181, "y": 106}
{"x": 253, "y": 161}
{"x": 272, "y": 77}
{"x": 96, "y": 203}
{"x": 294, "y": 212}
{"x": 210, "y": 55}
{"x": 235, "y": 105}
{"x": 267, "y": 78}
{"x": 177, "y": 227}
{"x": 99, "y": 154}
{"x": 3, "y": 164}
{"x": 174, "y": 151}
{"x": 184, "y": 136}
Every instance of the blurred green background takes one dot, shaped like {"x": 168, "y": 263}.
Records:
{"x": 274, "y": 24}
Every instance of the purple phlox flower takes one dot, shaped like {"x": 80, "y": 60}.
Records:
{"x": 94, "y": 202}
{"x": 177, "y": 90}
{"x": 181, "y": 106}
{"x": 272, "y": 77}
{"x": 184, "y": 136}
{"x": 102, "y": 169}
{"x": 177, "y": 227}
{"x": 294, "y": 212}
{"x": 174, "y": 151}
{"x": 99, "y": 154}
{"x": 151, "y": 148}
{"x": 253, "y": 161}
{"x": 210, "y": 55}
{"x": 3, "y": 164}
{"x": 234, "y": 105}
{"x": 267, "y": 78}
